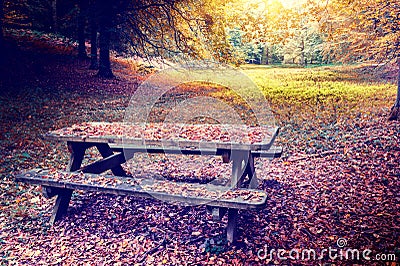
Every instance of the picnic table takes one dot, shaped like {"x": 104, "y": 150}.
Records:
{"x": 119, "y": 142}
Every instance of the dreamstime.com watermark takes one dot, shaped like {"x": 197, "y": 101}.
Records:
{"x": 339, "y": 253}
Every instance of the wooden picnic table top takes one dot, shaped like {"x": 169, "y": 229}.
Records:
{"x": 236, "y": 143}
{"x": 191, "y": 136}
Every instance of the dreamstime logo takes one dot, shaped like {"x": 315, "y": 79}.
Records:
{"x": 180, "y": 110}
{"x": 341, "y": 242}
{"x": 330, "y": 253}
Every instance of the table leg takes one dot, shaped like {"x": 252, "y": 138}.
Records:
{"x": 251, "y": 172}
{"x": 217, "y": 212}
{"x": 231, "y": 229}
{"x": 77, "y": 151}
{"x": 240, "y": 163}
{"x": 106, "y": 151}
{"x": 61, "y": 206}
{"x": 239, "y": 167}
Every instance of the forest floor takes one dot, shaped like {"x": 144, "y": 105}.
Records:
{"x": 336, "y": 186}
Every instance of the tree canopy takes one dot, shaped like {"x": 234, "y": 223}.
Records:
{"x": 235, "y": 31}
{"x": 360, "y": 30}
{"x": 173, "y": 29}
{"x": 227, "y": 30}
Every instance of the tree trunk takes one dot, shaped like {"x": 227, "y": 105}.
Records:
{"x": 81, "y": 28}
{"x": 266, "y": 54}
{"x": 104, "y": 58}
{"x": 395, "y": 112}
{"x": 93, "y": 44}
{"x": 302, "y": 53}
{"x": 1, "y": 27}
{"x": 55, "y": 22}
{"x": 93, "y": 21}
{"x": 105, "y": 27}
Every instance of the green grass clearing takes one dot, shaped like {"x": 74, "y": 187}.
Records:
{"x": 329, "y": 92}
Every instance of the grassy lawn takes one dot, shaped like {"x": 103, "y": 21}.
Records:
{"x": 328, "y": 92}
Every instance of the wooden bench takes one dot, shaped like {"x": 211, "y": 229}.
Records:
{"x": 62, "y": 184}
{"x": 219, "y": 200}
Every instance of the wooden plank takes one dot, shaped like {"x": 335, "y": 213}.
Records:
{"x": 273, "y": 152}
{"x": 49, "y": 192}
{"x": 77, "y": 151}
{"x": 239, "y": 162}
{"x": 61, "y": 206}
{"x": 218, "y": 213}
{"x": 105, "y": 164}
{"x": 127, "y": 149}
{"x": 189, "y": 194}
{"x": 164, "y": 143}
{"x": 226, "y": 156}
{"x": 231, "y": 229}
{"x": 70, "y": 134}
{"x": 251, "y": 173}
{"x": 106, "y": 151}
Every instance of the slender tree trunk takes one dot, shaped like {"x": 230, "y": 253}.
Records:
{"x": 93, "y": 21}
{"x": 1, "y": 26}
{"x": 81, "y": 28}
{"x": 104, "y": 58}
{"x": 266, "y": 54}
{"x": 302, "y": 54}
{"x": 395, "y": 112}
{"x": 55, "y": 20}
{"x": 105, "y": 27}
{"x": 93, "y": 44}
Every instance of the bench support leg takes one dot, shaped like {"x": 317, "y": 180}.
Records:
{"x": 106, "y": 151}
{"x": 49, "y": 192}
{"x": 217, "y": 212}
{"x": 239, "y": 163}
{"x": 231, "y": 229}
{"x": 242, "y": 166}
{"x": 77, "y": 151}
{"x": 251, "y": 172}
{"x": 61, "y": 206}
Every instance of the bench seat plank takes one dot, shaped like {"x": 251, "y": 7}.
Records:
{"x": 186, "y": 193}
{"x": 272, "y": 152}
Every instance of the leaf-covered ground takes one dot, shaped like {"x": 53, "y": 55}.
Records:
{"x": 338, "y": 177}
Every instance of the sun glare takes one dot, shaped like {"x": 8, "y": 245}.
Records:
{"x": 286, "y": 3}
{"x": 291, "y": 3}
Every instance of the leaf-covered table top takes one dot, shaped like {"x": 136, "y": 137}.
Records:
{"x": 170, "y": 135}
